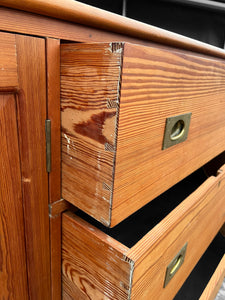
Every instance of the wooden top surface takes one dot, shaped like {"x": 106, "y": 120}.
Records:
{"x": 80, "y": 13}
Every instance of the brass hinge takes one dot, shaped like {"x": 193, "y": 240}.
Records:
{"x": 48, "y": 144}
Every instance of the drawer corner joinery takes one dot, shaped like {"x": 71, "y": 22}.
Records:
{"x": 119, "y": 102}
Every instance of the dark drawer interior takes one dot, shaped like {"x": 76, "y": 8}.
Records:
{"x": 132, "y": 229}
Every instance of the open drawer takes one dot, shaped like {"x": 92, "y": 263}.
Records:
{"x": 153, "y": 264}
{"x": 135, "y": 121}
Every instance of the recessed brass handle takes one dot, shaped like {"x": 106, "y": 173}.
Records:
{"x": 175, "y": 265}
{"x": 176, "y": 130}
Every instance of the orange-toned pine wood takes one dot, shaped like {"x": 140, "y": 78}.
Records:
{"x": 215, "y": 282}
{"x": 23, "y": 61}
{"x": 13, "y": 271}
{"x": 184, "y": 224}
{"x": 53, "y": 113}
{"x": 31, "y": 119}
{"x": 55, "y": 206}
{"x": 29, "y": 23}
{"x": 89, "y": 105}
{"x": 80, "y": 13}
{"x": 55, "y": 248}
{"x": 157, "y": 84}
{"x": 83, "y": 245}
{"x": 94, "y": 265}
{"x": 123, "y": 156}
{"x": 8, "y": 67}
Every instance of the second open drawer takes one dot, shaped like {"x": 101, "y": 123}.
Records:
{"x": 132, "y": 264}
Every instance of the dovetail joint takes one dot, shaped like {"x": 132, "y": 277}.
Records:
{"x": 117, "y": 47}
{"x": 112, "y": 104}
{"x": 105, "y": 186}
{"x": 109, "y": 147}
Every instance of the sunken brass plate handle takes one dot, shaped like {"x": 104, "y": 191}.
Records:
{"x": 176, "y": 130}
{"x": 175, "y": 265}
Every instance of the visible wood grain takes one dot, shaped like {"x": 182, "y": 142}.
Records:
{"x": 80, "y": 13}
{"x": 156, "y": 84}
{"x": 8, "y": 63}
{"x": 31, "y": 119}
{"x": 58, "y": 207}
{"x": 185, "y": 224}
{"x": 28, "y": 23}
{"x": 89, "y": 105}
{"x": 53, "y": 98}
{"x": 89, "y": 253}
{"x": 56, "y": 263}
{"x": 43, "y": 26}
{"x": 94, "y": 265}
{"x": 13, "y": 273}
{"x": 215, "y": 282}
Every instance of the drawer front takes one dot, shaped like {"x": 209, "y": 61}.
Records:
{"x": 96, "y": 266}
{"x": 117, "y": 100}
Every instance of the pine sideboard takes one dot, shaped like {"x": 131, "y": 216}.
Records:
{"x": 112, "y": 160}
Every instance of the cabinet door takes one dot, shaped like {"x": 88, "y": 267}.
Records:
{"x": 13, "y": 269}
{"x": 24, "y": 224}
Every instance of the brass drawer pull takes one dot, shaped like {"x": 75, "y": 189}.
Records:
{"x": 175, "y": 265}
{"x": 176, "y": 130}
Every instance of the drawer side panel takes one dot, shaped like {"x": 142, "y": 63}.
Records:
{"x": 90, "y": 81}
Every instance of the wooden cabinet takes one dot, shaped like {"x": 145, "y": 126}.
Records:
{"x": 107, "y": 143}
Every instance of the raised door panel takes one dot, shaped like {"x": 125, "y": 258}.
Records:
{"x": 13, "y": 273}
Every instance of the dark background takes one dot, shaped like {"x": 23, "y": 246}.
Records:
{"x": 204, "y": 20}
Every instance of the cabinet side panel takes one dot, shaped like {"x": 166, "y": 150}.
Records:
{"x": 31, "y": 116}
{"x": 90, "y": 77}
